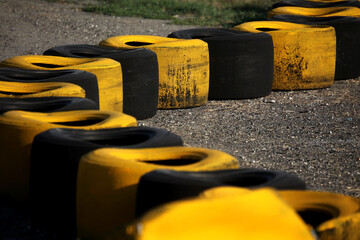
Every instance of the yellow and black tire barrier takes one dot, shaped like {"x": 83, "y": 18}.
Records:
{"x": 107, "y": 71}
{"x": 183, "y": 67}
{"x": 302, "y": 60}
{"x": 108, "y": 179}
{"x": 38, "y": 90}
{"x": 258, "y": 214}
{"x": 18, "y": 129}
{"x": 316, "y": 12}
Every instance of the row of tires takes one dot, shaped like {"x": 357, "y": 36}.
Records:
{"x": 72, "y": 177}
{"x": 84, "y": 171}
{"x": 139, "y": 74}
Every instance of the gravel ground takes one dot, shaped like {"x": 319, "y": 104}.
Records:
{"x": 314, "y": 134}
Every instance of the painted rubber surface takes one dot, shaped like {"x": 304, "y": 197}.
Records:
{"x": 347, "y": 30}
{"x": 85, "y": 80}
{"x": 140, "y": 74}
{"x": 333, "y": 216}
{"x": 108, "y": 179}
{"x": 316, "y": 12}
{"x": 55, "y": 157}
{"x": 183, "y": 67}
{"x": 18, "y": 128}
{"x": 233, "y": 218}
{"x": 318, "y": 207}
{"x": 235, "y": 58}
{"x": 42, "y": 89}
{"x": 107, "y": 71}
{"x": 342, "y": 228}
{"x": 162, "y": 186}
{"x": 47, "y": 104}
{"x": 313, "y": 4}
{"x": 301, "y": 60}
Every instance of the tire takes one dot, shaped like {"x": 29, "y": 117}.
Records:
{"x": 316, "y": 12}
{"x": 318, "y": 207}
{"x": 162, "y": 186}
{"x": 232, "y": 75}
{"x": 107, "y": 71}
{"x": 20, "y": 90}
{"x": 140, "y": 74}
{"x": 85, "y": 80}
{"x": 347, "y": 31}
{"x": 108, "y": 178}
{"x": 18, "y": 129}
{"x": 313, "y": 4}
{"x": 301, "y": 60}
{"x": 53, "y": 183}
{"x": 258, "y": 214}
{"x": 47, "y": 104}
{"x": 183, "y": 67}
{"x": 342, "y": 228}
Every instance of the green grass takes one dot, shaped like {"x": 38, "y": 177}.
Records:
{"x": 226, "y": 13}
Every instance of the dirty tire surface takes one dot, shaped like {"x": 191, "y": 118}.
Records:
{"x": 314, "y": 134}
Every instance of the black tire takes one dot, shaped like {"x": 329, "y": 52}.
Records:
{"x": 347, "y": 30}
{"x": 47, "y": 104}
{"x": 54, "y": 163}
{"x": 314, "y": 4}
{"x": 235, "y": 59}
{"x": 85, "y": 80}
{"x": 161, "y": 186}
{"x": 140, "y": 74}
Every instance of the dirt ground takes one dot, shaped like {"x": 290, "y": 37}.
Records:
{"x": 314, "y": 134}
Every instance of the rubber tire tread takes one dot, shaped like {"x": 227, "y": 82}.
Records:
{"x": 347, "y": 30}
{"x": 55, "y": 158}
{"x": 85, "y": 80}
{"x": 47, "y": 104}
{"x": 140, "y": 74}
{"x": 235, "y": 58}
{"x": 161, "y": 186}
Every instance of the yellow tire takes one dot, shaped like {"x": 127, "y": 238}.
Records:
{"x": 343, "y": 211}
{"x": 37, "y": 90}
{"x": 18, "y": 128}
{"x": 107, "y": 71}
{"x": 253, "y": 215}
{"x": 319, "y": 206}
{"x": 108, "y": 179}
{"x": 183, "y": 67}
{"x": 342, "y": 228}
{"x": 316, "y": 12}
{"x": 304, "y": 55}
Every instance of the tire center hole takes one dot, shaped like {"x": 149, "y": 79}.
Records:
{"x": 86, "y": 122}
{"x": 137, "y": 44}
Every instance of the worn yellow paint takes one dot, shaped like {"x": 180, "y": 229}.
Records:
{"x": 107, "y": 71}
{"x": 35, "y": 90}
{"x": 18, "y": 128}
{"x": 252, "y": 215}
{"x": 316, "y": 12}
{"x": 108, "y": 179}
{"x": 304, "y": 55}
{"x": 342, "y": 228}
{"x": 183, "y": 67}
